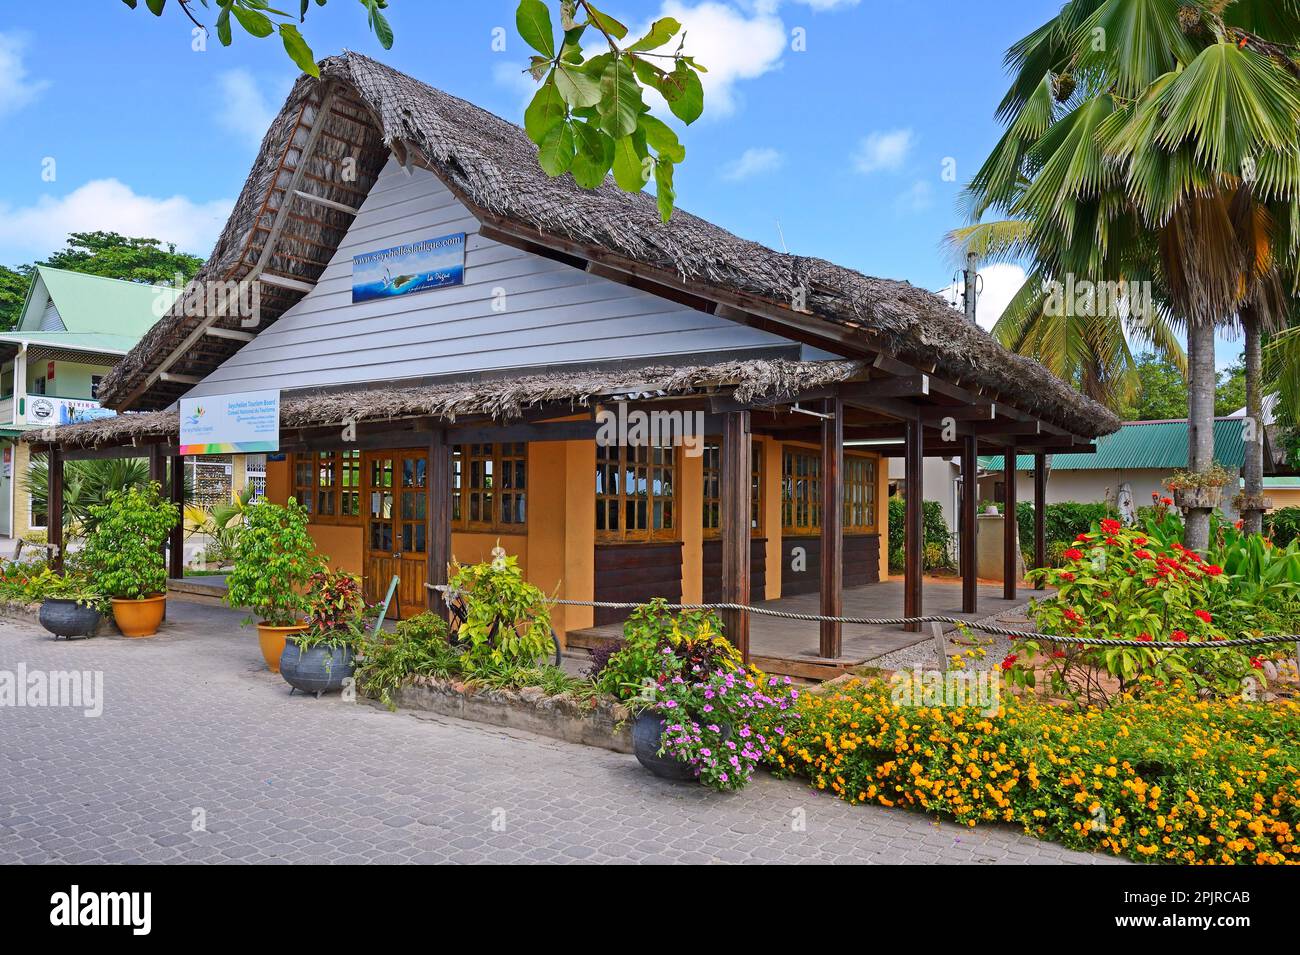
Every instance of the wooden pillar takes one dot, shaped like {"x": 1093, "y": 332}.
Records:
{"x": 1010, "y": 526}
{"x": 438, "y": 516}
{"x": 1040, "y": 513}
{"x": 736, "y": 449}
{"x": 176, "y": 548}
{"x": 157, "y": 466}
{"x": 832, "y": 529}
{"x": 913, "y": 521}
{"x": 54, "y": 508}
{"x": 969, "y": 524}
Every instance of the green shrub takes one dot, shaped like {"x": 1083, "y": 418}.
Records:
{"x": 417, "y": 647}
{"x": 693, "y": 636}
{"x": 1283, "y": 525}
{"x": 1062, "y": 522}
{"x": 937, "y": 538}
{"x": 123, "y": 555}
{"x": 275, "y": 556}
{"x": 508, "y": 620}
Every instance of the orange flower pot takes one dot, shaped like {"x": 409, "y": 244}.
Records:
{"x": 272, "y": 640}
{"x": 139, "y": 618}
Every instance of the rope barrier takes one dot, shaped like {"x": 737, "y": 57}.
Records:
{"x": 930, "y": 618}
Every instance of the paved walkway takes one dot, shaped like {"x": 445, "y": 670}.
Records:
{"x": 193, "y": 727}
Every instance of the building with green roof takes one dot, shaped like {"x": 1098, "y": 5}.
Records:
{"x": 73, "y": 329}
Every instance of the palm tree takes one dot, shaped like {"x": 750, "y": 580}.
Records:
{"x": 1153, "y": 142}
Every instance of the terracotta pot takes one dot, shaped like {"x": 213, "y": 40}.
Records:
{"x": 139, "y": 618}
{"x": 272, "y": 642}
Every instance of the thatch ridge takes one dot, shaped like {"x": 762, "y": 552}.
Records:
{"x": 500, "y": 398}
{"x": 492, "y": 164}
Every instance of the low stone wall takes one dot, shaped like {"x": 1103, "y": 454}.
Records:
{"x": 15, "y": 610}
{"x": 603, "y": 722}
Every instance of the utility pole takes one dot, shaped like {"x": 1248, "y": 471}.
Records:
{"x": 969, "y": 291}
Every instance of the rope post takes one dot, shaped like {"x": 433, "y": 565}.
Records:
{"x": 940, "y": 645}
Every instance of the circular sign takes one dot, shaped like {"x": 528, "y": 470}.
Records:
{"x": 41, "y": 409}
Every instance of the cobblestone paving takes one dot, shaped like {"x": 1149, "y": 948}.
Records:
{"x": 193, "y": 722}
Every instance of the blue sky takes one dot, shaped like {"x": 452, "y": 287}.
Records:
{"x": 843, "y": 143}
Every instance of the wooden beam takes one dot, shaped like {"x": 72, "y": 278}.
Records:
{"x": 322, "y": 201}
{"x": 285, "y": 281}
{"x": 910, "y": 386}
{"x": 176, "y": 379}
{"x": 438, "y": 515}
{"x": 54, "y": 508}
{"x": 176, "y": 544}
{"x": 1040, "y": 514}
{"x": 969, "y": 524}
{"x": 555, "y": 431}
{"x": 1010, "y": 526}
{"x": 232, "y": 334}
{"x": 913, "y": 521}
{"x": 736, "y": 470}
{"x": 832, "y": 529}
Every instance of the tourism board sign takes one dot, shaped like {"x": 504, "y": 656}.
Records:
{"x": 406, "y": 269}
{"x": 244, "y": 423}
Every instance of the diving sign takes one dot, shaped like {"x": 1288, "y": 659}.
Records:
{"x": 405, "y": 269}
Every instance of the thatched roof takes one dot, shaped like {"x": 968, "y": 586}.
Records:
{"x": 491, "y": 165}
{"x": 499, "y": 398}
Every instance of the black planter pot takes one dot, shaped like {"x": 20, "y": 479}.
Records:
{"x": 67, "y": 618}
{"x": 647, "y": 737}
{"x": 316, "y": 669}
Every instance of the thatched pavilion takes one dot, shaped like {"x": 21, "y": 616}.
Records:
{"x": 483, "y": 399}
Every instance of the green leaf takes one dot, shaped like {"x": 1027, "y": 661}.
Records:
{"x": 223, "y": 26}
{"x": 298, "y": 49}
{"x": 594, "y": 156}
{"x": 545, "y": 111}
{"x": 533, "y": 21}
{"x": 155, "y": 6}
{"x": 660, "y": 137}
{"x": 620, "y": 102}
{"x": 629, "y": 168}
{"x": 684, "y": 93}
{"x": 253, "y": 22}
{"x": 665, "y": 194}
{"x": 571, "y": 47}
{"x": 607, "y": 23}
{"x": 660, "y": 32}
{"x": 575, "y": 86}
{"x": 538, "y": 67}
{"x": 379, "y": 23}
{"x": 556, "y": 151}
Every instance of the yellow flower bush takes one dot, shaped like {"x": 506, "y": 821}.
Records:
{"x": 1159, "y": 777}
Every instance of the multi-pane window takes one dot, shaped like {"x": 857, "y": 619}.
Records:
{"x": 304, "y": 481}
{"x": 635, "y": 489}
{"x": 489, "y": 486}
{"x": 349, "y": 483}
{"x": 801, "y": 492}
{"x": 328, "y": 484}
{"x": 712, "y": 516}
{"x": 327, "y": 478}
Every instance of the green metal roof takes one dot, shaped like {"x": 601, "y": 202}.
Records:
{"x": 1137, "y": 445}
{"x": 74, "y": 341}
{"x": 94, "y": 304}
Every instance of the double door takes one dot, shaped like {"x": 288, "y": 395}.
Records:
{"x": 395, "y": 506}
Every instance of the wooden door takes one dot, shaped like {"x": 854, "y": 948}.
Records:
{"x": 397, "y": 500}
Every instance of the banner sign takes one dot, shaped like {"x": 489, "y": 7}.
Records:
{"x": 50, "y": 411}
{"x": 244, "y": 423}
{"x": 404, "y": 269}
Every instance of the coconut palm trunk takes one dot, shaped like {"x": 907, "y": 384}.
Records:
{"x": 1253, "y": 470}
{"x": 1201, "y": 380}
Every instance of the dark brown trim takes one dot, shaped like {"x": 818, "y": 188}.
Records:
{"x": 914, "y": 522}
{"x": 1040, "y": 514}
{"x": 736, "y": 469}
{"x": 1010, "y": 526}
{"x": 176, "y": 542}
{"x": 438, "y": 516}
{"x": 832, "y": 530}
{"x": 54, "y": 508}
{"x": 969, "y": 502}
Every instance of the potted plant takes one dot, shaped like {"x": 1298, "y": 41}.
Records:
{"x": 323, "y": 656}
{"x": 1199, "y": 489}
{"x": 275, "y": 557}
{"x": 71, "y": 607}
{"x": 123, "y": 556}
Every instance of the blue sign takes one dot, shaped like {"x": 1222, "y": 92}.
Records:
{"x": 405, "y": 269}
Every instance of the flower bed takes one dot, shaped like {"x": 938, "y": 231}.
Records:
{"x": 1155, "y": 778}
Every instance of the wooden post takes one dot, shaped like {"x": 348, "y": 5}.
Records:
{"x": 736, "y": 445}
{"x": 1040, "y": 514}
{"x": 832, "y": 529}
{"x": 438, "y": 516}
{"x": 969, "y": 524}
{"x": 913, "y": 522}
{"x": 176, "y": 548}
{"x": 1010, "y": 526}
{"x": 54, "y": 508}
{"x": 157, "y": 465}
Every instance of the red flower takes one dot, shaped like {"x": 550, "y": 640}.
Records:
{"x": 1178, "y": 636}
{"x": 1237, "y": 525}
{"x": 1112, "y": 541}
{"x": 1066, "y": 575}
{"x": 1058, "y": 653}
{"x": 1257, "y": 663}
{"x": 1155, "y": 495}
{"x": 1072, "y": 615}
{"x": 1139, "y": 540}
{"x": 1084, "y": 537}
{"x": 1167, "y": 501}
{"x": 1213, "y": 570}
{"x": 1144, "y": 638}
{"x": 1204, "y": 615}
{"x": 1008, "y": 661}
{"x": 1110, "y": 526}
{"x": 1142, "y": 554}
{"x": 1073, "y": 554}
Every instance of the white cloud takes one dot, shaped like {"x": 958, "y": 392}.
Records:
{"x": 17, "y": 89}
{"x": 999, "y": 284}
{"x": 753, "y": 162}
{"x": 885, "y": 150}
{"x": 917, "y": 198}
{"x": 36, "y": 230}
{"x": 730, "y": 45}
{"x": 243, "y": 109}
{"x": 515, "y": 78}
{"x": 820, "y": 5}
